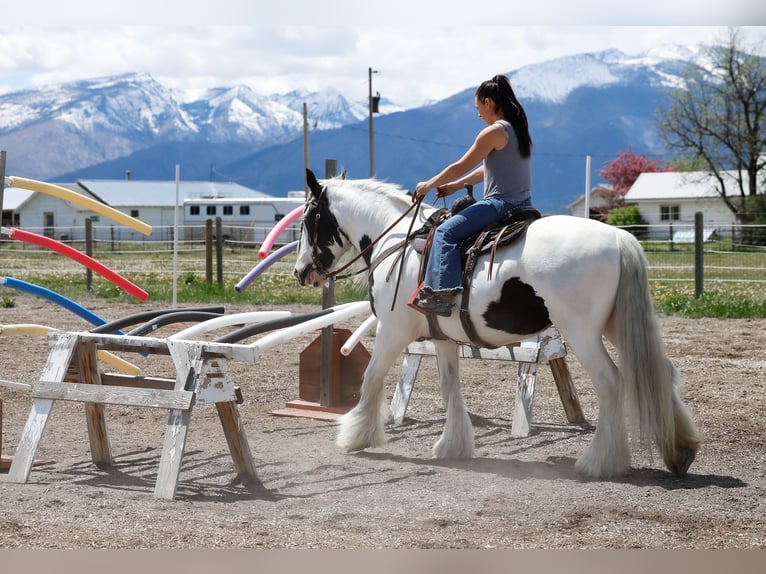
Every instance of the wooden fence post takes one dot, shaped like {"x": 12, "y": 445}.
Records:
{"x": 88, "y": 251}
{"x": 699, "y": 250}
{"x": 209, "y": 251}
{"x": 219, "y": 250}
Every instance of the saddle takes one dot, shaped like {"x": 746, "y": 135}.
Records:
{"x": 505, "y": 231}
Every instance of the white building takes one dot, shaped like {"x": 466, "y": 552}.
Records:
{"x": 670, "y": 199}
{"x": 152, "y": 202}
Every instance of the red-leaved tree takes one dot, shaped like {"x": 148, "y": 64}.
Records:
{"x": 621, "y": 173}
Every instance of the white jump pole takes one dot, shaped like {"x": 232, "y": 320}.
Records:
{"x": 175, "y": 237}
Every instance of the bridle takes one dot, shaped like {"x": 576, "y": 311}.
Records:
{"x": 336, "y": 274}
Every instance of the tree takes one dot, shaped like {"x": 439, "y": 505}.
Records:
{"x": 622, "y": 173}
{"x": 718, "y": 118}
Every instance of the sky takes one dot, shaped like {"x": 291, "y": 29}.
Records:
{"x": 421, "y": 51}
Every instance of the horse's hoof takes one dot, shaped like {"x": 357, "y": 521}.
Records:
{"x": 684, "y": 459}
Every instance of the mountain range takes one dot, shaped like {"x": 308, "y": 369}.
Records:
{"x": 593, "y": 104}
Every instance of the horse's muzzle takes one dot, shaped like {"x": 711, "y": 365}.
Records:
{"x": 309, "y": 276}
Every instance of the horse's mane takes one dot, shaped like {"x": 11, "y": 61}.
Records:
{"x": 376, "y": 189}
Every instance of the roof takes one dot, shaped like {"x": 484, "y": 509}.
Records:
{"x": 15, "y": 197}
{"x": 679, "y": 185}
{"x": 136, "y": 193}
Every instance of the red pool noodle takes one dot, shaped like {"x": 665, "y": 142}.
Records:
{"x": 79, "y": 257}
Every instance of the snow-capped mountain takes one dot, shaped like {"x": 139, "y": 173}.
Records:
{"x": 588, "y": 104}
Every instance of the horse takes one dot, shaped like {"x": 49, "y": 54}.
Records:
{"x": 587, "y": 278}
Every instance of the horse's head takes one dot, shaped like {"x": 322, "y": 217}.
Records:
{"x": 321, "y": 243}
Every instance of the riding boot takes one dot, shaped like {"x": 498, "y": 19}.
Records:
{"x": 426, "y": 300}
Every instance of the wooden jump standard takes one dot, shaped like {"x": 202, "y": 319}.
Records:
{"x": 546, "y": 348}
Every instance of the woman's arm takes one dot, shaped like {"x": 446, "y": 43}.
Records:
{"x": 488, "y": 139}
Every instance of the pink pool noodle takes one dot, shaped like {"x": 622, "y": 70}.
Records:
{"x": 276, "y": 231}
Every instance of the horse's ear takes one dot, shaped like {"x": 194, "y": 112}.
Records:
{"x": 313, "y": 184}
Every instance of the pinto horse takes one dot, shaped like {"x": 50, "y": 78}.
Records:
{"x": 587, "y": 278}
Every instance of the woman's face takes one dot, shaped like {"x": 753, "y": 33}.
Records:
{"x": 486, "y": 109}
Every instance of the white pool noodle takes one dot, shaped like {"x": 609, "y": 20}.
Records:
{"x": 339, "y": 313}
{"x": 227, "y": 321}
{"x": 353, "y": 340}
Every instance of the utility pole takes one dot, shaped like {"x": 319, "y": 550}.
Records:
{"x": 373, "y": 103}
{"x": 305, "y": 146}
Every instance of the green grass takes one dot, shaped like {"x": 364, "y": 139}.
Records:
{"x": 726, "y": 300}
{"x": 267, "y": 290}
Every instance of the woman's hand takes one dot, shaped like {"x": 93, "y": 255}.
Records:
{"x": 421, "y": 190}
{"x": 448, "y": 189}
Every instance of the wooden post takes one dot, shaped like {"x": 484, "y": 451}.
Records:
{"x": 328, "y": 300}
{"x": 88, "y": 251}
{"x": 699, "y": 250}
{"x": 209, "y": 250}
{"x": 219, "y": 250}
{"x": 2, "y": 185}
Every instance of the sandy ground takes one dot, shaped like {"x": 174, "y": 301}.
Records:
{"x": 516, "y": 492}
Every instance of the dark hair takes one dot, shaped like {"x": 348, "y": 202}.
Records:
{"x": 499, "y": 90}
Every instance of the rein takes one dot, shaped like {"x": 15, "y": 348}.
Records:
{"x": 336, "y": 274}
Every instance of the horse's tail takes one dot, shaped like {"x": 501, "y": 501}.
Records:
{"x": 651, "y": 381}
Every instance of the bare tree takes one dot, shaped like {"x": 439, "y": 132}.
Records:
{"x": 718, "y": 118}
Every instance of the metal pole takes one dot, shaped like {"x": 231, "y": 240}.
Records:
{"x": 175, "y": 235}
{"x": 587, "y": 187}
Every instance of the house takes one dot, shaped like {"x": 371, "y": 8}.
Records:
{"x": 577, "y": 207}
{"x": 152, "y": 202}
{"x": 668, "y": 200}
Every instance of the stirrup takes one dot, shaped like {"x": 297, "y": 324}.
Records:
{"x": 425, "y": 300}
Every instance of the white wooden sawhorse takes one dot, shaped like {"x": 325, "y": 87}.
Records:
{"x": 71, "y": 373}
{"x": 547, "y": 347}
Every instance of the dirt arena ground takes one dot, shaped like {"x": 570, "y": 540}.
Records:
{"x": 516, "y": 493}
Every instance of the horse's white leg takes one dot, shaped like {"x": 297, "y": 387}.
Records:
{"x": 608, "y": 453}
{"x": 457, "y": 440}
{"x": 363, "y": 426}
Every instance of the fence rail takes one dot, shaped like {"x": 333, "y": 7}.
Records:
{"x": 731, "y": 254}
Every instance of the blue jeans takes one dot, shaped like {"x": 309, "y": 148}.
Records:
{"x": 443, "y": 271}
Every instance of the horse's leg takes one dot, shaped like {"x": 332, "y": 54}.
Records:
{"x": 363, "y": 426}
{"x": 608, "y": 453}
{"x": 457, "y": 439}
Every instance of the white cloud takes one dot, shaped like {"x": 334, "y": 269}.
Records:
{"x": 417, "y": 61}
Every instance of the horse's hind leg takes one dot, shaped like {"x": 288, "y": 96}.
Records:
{"x": 608, "y": 453}
{"x": 457, "y": 440}
{"x": 680, "y": 456}
{"x": 363, "y": 426}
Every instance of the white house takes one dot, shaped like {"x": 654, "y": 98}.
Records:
{"x": 670, "y": 199}
{"x": 577, "y": 207}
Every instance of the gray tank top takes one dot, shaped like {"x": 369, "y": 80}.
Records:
{"x": 507, "y": 175}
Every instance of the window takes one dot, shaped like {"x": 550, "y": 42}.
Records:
{"x": 228, "y": 209}
{"x": 194, "y": 210}
{"x": 670, "y": 212}
{"x": 134, "y": 213}
{"x": 244, "y": 210}
{"x": 210, "y": 210}
{"x": 278, "y": 216}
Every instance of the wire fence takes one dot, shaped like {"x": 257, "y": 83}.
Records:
{"x": 733, "y": 254}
